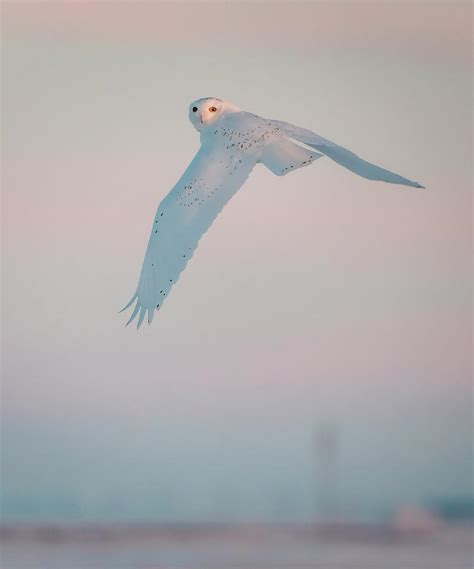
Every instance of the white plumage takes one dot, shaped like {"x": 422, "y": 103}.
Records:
{"x": 232, "y": 142}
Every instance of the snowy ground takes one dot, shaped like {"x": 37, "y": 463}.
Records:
{"x": 244, "y": 547}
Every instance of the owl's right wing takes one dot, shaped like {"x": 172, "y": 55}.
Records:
{"x": 341, "y": 155}
{"x": 184, "y": 215}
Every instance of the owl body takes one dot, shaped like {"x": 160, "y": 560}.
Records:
{"x": 239, "y": 133}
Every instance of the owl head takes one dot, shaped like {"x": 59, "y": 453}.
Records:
{"x": 204, "y": 112}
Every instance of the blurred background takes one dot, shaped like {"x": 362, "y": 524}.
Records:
{"x": 312, "y": 368}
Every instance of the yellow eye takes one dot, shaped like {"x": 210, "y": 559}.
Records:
{"x": 212, "y": 109}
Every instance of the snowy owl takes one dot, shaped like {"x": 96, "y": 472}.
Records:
{"x": 232, "y": 142}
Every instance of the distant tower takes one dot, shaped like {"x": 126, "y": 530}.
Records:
{"x": 327, "y": 443}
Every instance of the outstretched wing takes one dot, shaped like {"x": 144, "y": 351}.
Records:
{"x": 341, "y": 155}
{"x": 185, "y": 214}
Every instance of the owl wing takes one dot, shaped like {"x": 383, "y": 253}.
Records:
{"x": 341, "y": 155}
{"x": 184, "y": 215}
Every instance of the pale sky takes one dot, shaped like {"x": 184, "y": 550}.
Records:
{"x": 315, "y": 298}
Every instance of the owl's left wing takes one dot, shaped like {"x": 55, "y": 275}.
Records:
{"x": 184, "y": 215}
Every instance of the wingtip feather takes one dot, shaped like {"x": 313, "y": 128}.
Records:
{"x": 134, "y": 313}
{"x": 141, "y": 317}
{"x": 151, "y": 314}
{"x": 129, "y": 303}
{"x": 141, "y": 311}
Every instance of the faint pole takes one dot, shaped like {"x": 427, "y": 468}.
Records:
{"x": 327, "y": 443}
